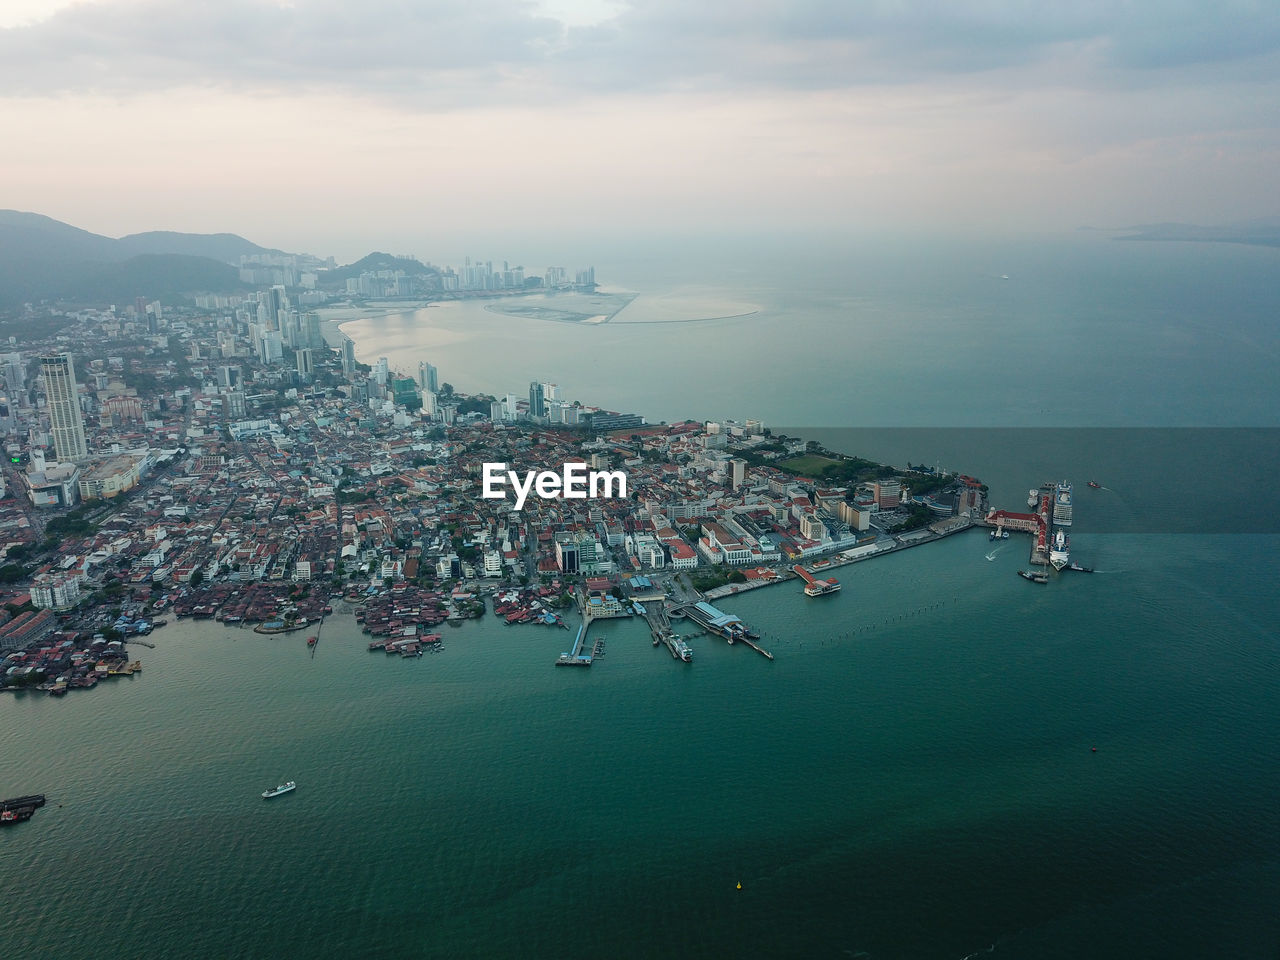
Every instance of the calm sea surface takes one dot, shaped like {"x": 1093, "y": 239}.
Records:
{"x": 913, "y": 776}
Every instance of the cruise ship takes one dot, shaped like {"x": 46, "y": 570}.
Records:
{"x": 1060, "y": 552}
{"x": 1062, "y": 505}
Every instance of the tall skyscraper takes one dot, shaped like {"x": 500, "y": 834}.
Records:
{"x": 272, "y": 347}
{"x": 537, "y": 400}
{"x": 15, "y": 376}
{"x": 381, "y": 372}
{"x": 65, "y": 421}
{"x": 348, "y": 357}
{"x": 311, "y": 331}
{"x": 428, "y": 377}
{"x": 305, "y": 362}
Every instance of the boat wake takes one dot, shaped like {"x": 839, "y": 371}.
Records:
{"x": 992, "y": 554}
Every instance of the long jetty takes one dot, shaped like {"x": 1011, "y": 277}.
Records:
{"x": 575, "y": 657}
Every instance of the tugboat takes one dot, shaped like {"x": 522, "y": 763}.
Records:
{"x": 311, "y": 641}
{"x": 1095, "y": 484}
{"x": 19, "y": 809}
{"x": 283, "y": 788}
{"x": 1035, "y": 576}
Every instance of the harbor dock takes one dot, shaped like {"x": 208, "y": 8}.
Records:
{"x": 723, "y": 624}
{"x": 575, "y": 657}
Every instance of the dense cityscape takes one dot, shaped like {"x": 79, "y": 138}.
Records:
{"x": 223, "y": 460}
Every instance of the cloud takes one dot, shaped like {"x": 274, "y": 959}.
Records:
{"x": 462, "y": 53}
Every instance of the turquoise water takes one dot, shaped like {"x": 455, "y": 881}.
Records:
{"x": 1086, "y": 332}
{"x": 912, "y": 777}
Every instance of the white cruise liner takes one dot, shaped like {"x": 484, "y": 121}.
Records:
{"x": 1062, "y": 505}
{"x": 1060, "y": 552}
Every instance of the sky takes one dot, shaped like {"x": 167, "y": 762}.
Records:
{"x": 337, "y": 127}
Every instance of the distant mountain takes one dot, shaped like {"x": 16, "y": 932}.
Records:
{"x": 30, "y": 236}
{"x": 227, "y": 247}
{"x": 384, "y": 261}
{"x": 45, "y": 259}
{"x": 163, "y": 276}
{"x": 1264, "y": 231}
{"x": 38, "y": 235}
{"x": 376, "y": 261}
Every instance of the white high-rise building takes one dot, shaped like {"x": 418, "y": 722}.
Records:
{"x": 66, "y": 424}
{"x": 381, "y": 372}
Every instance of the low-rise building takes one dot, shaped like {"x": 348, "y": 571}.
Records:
{"x": 109, "y": 478}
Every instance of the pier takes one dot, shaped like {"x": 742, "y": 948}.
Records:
{"x": 813, "y": 587}
{"x": 722, "y": 625}
{"x": 1049, "y": 526}
{"x": 575, "y": 657}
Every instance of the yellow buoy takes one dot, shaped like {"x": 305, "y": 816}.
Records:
{"x": 739, "y": 884}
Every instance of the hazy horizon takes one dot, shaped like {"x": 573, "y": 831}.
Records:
{"x": 318, "y": 127}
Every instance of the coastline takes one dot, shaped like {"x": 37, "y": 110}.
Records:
{"x": 849, "y": 556}
{"x": 332, "y": 319}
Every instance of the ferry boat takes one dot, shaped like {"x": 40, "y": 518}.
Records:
{"x": 1033, "y": 497}
{"x": 679, "y": 649}
{"x": 283, "y": 788}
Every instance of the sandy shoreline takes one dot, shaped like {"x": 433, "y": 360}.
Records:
{"x": 333, "y": 318}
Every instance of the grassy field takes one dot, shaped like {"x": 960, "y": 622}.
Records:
{"x": 810, "y": 465}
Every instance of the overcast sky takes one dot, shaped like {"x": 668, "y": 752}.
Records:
{"x": 335, "y": 126}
